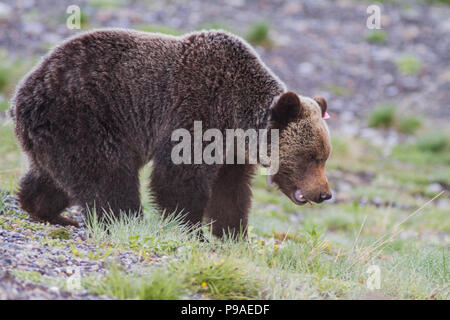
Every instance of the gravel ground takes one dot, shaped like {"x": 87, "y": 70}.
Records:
{"x": 29, "y": 249}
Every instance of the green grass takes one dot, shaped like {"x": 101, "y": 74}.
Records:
{"x": 434, "y": 143}
{"x": 258, "y": 34}
{"x": 439, "y": 1}
{"x": 339, "y": 90}
{"x": 376, "y": 37}
{"x": 382, "y": 116}
{"x": 11, "y": 70}
{"x": 107, "y": 3}
{"x": 308, "y": 252}
{"x": 409, "y": 125}
{"x": 4, "y": 105}
{"x": 10, "y": 157}
{"x": 409, "y": 65}
{"x": 60, "y": 233}
{"x": 386, "y": 116}
{"x": 160, "y": 29}
{"x": 159, "y": 285}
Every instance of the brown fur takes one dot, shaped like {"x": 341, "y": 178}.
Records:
{"x": 101, "y": 105}
{"x": 304, "y": 147}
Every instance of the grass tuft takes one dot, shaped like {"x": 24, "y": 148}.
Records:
{"x": 409, "y": 65}
{"x": 160, "y": 29}
{"x": 434, "y": 143}
{"x": 409, "y": 125}
{"x": 382, "y": 116}
{"x": 159, "y": 285}
{"x": 107, "y": 3}
{"x": 259, "y": 34}
{"x": 218, "y": 277}
{"x": 60, "y": 233}
{"x": 376, "y": 37}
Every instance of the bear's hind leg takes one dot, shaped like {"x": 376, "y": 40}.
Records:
{"x": 116, "y": 191}
{"x": 230, "y": 200}
{"x": 43, "y": 199}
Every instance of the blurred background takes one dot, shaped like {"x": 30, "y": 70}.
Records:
{"x": 389, "y": 87}
{"x": 388, "y": 92}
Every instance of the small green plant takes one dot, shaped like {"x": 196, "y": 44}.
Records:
{"x": 160, "y": 285}
{"x": 409, "y": 65}
{"x": 4, "y": 105}
{"x": 409, "y": 125}
{"x": 4, "y": 77}
{"x": 219, "y": 278}
{"x": 376, "y": 37}
{"x": 383, "y": 116}
{"x": 99, "y": 255}
{"x": 159, "y": 29}
{"x": 339, "y": 90}
{"x": 84, "y": 20}
{"x": 432, "y": 143}
{"x": 259, "y": 34}
{"x": 441, "y": 1}
{"x": 11, "y": 70}
{"x": 107, "y": 3}
{"x": 60, "y": 233}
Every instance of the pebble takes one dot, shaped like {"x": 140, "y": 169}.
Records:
{"x": 434, "y": 188}
{"x": 5, "y": 10}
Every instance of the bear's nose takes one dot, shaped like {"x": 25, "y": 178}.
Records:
{"x": 325, "y": 196}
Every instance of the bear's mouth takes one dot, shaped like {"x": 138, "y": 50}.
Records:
{"x": 299, "y": 198}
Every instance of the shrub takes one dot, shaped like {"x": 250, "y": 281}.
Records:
{"x": 409, "y": 65}
{"x": 409, "y": 125}
{"x": 435, "y": 142}
{"x": 382, "y": 116}
{"x": 259, "y": 34}
{"x": 376, "y": 36}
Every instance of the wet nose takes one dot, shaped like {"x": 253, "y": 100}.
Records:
{"x": 325, "y": 196}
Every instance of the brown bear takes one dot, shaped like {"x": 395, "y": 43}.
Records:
{"x": 104, "y": 103}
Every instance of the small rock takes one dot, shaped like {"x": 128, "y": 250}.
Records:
{"x": 434, "y": 188}
{"x": 5, "y": 10}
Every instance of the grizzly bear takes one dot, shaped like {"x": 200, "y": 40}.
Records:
{"x": 104, "y": 103}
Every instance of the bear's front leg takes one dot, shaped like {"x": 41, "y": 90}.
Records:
{"x": 181, "y": 189}
{"x": 230, "y": 200}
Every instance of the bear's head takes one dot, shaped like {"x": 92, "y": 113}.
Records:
{"x": 304, "y": 147}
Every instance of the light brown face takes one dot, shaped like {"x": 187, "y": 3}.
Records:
{"x": 304, "y": 148}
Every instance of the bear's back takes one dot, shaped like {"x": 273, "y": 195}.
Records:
{"x": 124, "y": 83}
{"x": 228, "y": 73}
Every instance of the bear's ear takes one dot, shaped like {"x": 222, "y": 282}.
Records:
{"x": 323, "y": 105}
{"x": 287, "y": 108}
